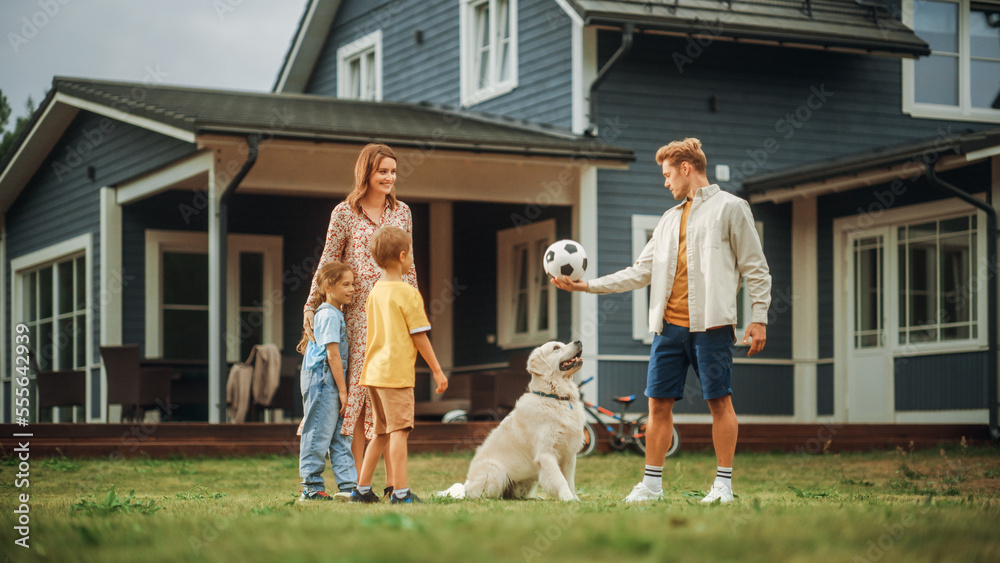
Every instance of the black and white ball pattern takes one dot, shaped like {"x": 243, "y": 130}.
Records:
{"x": 565, "y": 258}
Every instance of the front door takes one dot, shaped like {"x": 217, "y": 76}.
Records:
{"x": 869, "y": 377}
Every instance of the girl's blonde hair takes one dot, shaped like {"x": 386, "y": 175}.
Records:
{"x": 369, "y": 159}
{"x": 329, "y": 274}
{"x": 688, "y": 150}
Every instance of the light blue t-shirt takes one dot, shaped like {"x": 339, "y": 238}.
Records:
{"x": 328, "y": 326}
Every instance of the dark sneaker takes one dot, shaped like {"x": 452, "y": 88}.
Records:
{"x": 387, "y": 492}
{"x": 315, "y": 495}
{"x": 409, "y": 498}
{"x": 367, "y": 498}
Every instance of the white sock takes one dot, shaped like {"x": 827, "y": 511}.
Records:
{"x": 364, "y": 490}
{"x": 653, "y": 478}
{"x": 724, "y": 476}
{"x": 401, "y": 493}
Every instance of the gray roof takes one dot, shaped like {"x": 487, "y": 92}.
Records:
{"x": 868, "y": 25}
{"x": 962, "y": 143}
{"x": 322, "y": 118}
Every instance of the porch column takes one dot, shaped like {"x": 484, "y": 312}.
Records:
{"x": 110, "y": 299}
{"x": 586, "y": 316}
{"x": 442, "y": 291}
{"x": 805, "y": 294}
{"x": 991, "y": 276}
{"x": 216, "y": 299}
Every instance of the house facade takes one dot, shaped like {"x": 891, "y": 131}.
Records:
{"x": 768, "y": 88}
{"x": 823, "y": 114}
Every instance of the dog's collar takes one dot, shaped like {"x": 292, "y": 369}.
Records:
{"x": 557, "y": 397}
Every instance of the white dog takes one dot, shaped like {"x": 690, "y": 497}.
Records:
{"x": 536, "y": 444}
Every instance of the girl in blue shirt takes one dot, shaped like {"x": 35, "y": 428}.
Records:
{"x": 324, "y": 390}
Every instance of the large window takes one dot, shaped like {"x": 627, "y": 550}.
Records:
{"x": 526, "y": 301}
{"x": 177, "y": 272}
{"x": 937, "y": 281}
{"x": 961, "y": 77}
{"x": 359, "y": 68}
{"x": 488, "y": 31}
{"x": 50, "y": 298}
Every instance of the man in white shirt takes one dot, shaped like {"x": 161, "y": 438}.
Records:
{"x": 693, "y": 264}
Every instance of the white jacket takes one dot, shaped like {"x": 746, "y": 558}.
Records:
{"x": 722, "y": 245}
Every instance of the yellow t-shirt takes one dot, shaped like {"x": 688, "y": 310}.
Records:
{"x": 395, "y": 312}
{"x": 677, "y": 312}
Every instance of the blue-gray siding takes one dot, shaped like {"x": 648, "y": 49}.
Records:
{"x": 429, "y": 71}
{"x": 60, "y": 202}
{"x": 942, "y": 382}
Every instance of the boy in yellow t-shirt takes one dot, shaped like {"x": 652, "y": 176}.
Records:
{"x": 397, "y": 330}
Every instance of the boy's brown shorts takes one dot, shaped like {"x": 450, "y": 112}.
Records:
{"x": 393, "y": 408}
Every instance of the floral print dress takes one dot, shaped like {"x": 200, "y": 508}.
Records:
{"x": 347, "y": 240}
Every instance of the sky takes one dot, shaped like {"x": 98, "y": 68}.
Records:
{"x": 229, "y": 44}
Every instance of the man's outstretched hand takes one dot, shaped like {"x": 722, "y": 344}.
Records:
{"x": 565, "y": 284}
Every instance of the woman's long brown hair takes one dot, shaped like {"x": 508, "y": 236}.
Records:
{"x": 369, "y": 159}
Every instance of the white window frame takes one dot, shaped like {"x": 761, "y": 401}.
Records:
{"x": 894, "y": 218}
{"x": 357, "y": 49}
{"x": 470, "y": 93}
{"x": 964, "y": 110}
{"x": 507, "y": 286}
{"x": 72, "y": 248}
{"x": 158, "y": 242}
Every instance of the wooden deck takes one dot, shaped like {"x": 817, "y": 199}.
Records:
{"x": 201, "y": 439}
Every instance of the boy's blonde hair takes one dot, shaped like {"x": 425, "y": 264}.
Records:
{"x": 387, "y": 243}
{"x": 329, "y": 274}
{"x": 688, "y": 150}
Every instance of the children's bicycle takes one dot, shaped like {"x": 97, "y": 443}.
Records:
{"x": 627, "y": 433}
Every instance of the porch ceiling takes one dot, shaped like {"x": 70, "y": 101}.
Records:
{"x": 301, "y": 168}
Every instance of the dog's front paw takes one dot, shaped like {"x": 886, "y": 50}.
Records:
{"x": 567, "y": 496}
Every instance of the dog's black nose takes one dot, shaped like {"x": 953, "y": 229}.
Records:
{"x": 578, "y": 343}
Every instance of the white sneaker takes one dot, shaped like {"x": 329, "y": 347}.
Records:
{"x": 342, "y": 496}
{"x": 641, "y": 493}
{"x": 720, "y": 493}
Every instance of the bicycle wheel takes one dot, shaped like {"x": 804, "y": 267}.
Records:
{"x": 589, "y": 440}
{"x": 639, "y": 434}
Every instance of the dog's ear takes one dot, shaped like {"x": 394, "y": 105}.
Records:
{"x": 536, "y": 362}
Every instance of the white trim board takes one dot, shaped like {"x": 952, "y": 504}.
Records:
{"x": 159, "y": 181}
{"x": 126, "y": 117}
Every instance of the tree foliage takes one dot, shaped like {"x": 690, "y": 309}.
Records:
{"x": 7, "y": 140}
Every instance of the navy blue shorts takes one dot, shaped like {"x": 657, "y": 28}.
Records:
{"x": 676, "y": 348}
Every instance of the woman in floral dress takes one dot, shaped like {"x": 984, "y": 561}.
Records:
{"x": 371, "y": 205}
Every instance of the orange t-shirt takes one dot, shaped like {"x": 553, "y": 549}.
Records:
{"x": 676, "y": 311}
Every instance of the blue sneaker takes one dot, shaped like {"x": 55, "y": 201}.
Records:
{"x": 409, "y": 498}
{"x": 366, "y": 498}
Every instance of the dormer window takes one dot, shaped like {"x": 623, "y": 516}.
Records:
{"x": 961, "y": 77}
{"x": 359, "y": 68}
{"x": 488, "y": 49}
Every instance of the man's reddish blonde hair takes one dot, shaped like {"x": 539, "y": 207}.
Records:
{"x": 688, "y": 150}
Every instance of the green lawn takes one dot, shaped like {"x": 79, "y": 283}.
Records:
{"x": 879, "y": 506}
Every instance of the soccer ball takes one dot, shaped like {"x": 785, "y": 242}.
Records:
{"x": 565, "y": 258}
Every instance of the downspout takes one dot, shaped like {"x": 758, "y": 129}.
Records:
{"x": 223, "y": 215}
{"x": 622, "y": 51}
{"x": 991, "y": 289}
